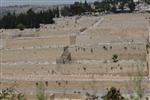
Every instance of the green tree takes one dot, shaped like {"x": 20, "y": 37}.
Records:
{"x": 131, "y": 5}
{"x": 30, "y": 19}
{"x": 113, "y": 94}
{"x": 102, "y": 6}
{"x": 65, "y": 11}
{"x": 147, "y": 1}
{"x": 77, "y": 8}
{"x": 41, "y": 95}
{"x": 122, "y": 4}
{"x": 57, "y": 12}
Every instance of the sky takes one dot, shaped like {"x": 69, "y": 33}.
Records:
{"x": 36, "y": 2}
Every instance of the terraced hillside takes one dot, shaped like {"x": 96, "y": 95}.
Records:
{"x": 31, "y": 55}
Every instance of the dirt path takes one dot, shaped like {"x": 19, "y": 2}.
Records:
{"x": 96, "y": 23}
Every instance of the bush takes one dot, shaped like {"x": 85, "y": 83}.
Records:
{"x": 147, "y": 45}
{"x": 147, "y": 1}
{"x": 115, "y": 58}
{"x": 11, "y": 94}
{"x": 113, "y": 94}
{"x": 21, "y": 27}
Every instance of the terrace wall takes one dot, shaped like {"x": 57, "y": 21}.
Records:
{"x": 106, "y": 52}
{"x": 40, "y": 41}
{"x": 122, "y": 68}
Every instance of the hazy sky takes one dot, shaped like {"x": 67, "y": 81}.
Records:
{"x": 36, "y": 2}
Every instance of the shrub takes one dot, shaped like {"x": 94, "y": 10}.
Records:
{"x": 115, "y": 58}
{"x": 20, "y": 27}
{"x": 41, "y": 95}
{"x": 113, "y": 94}
{"x": 147, "y": 45}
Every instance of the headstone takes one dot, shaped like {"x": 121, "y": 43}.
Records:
{"x": 72, "y": 39}
{"x": 52, "y": 96}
